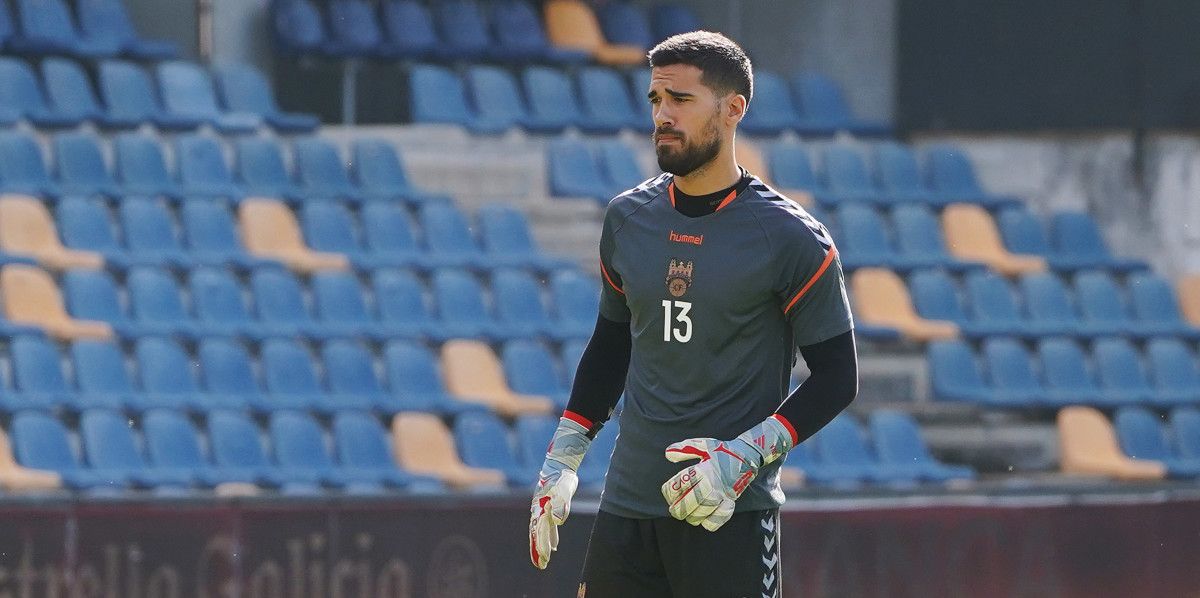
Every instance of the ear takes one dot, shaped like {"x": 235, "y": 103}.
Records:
{"x": 735, "y": 107}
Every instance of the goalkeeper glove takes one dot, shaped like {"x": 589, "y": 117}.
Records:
{"x": 704, "y": 494}
{"x": 556, "y": 485}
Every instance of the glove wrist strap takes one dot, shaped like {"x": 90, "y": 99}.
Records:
{"x": 772, "y": 438}
{"x": 569, "y": 445}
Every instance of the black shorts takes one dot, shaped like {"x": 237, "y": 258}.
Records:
{"x": 665, "y": 557}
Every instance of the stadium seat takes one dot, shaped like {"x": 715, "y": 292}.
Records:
{"x": 847, "y": 178}
{"x": 110, "y": 446}
{"x": 956, "y": 376}
{"x": 1121, "y": 373}
{"x": 824, "y": 111}
{"x": 993, "y": 302}
{"x": 936, "y": 297}
{"x": 464, "y": 31}
{"x": 462, "y": 312}
{"x": 1076, "y": 239}
{"x": 298, "y": 30}
{"x": 439, "y": 96}
{"x": 576, "y": 299}
{"x": 1023, "y": 233}
{"x": 212, "y": 237}
{"x": 236, "y": 443}
{"x": 899, "y": 176}
{"x": 571, "y": 353}
{"x": 1050, "y": 308}
{"x": 21, "y": 97}
{"x": 340, "y": 306}
{"x": 1155, "y": 306}
{"x": 400, "y": 302}
{"x": 203, "y": 172}
{"x": 42, "y": 442}
{"x": 1173, "y": 369}
{"x": 388, "y": 232}
{"x": 473, "y": 373}
{"x": 899, "y": 445}
{"x": 37, "y": 377}
{"x": 1068, "y": 379}
{"x": 1185, "y": 431}
{"x": 172, "y": 444}
{"x": 605, "y": 100}
{"x": 409, "y": 32}
{"x": 448, "y": 237}
{"x": 482, "y": 441}
{"x": 130, "y": 96}
{"x": 531, "y": 370}
{"x": 17, "y": 478}
{"x": 31, "y": 298}
{"x": 321, "y": 171}
{"x": 379, "y": 173}
{"x": 881, "y": 299}
{"x": 261, "y": 170}
{"x": 972, "y": 236}
{"x": 791, "y": 168}
{"x": 1088, "y": 446}
{"x": 1187, "y": 291}
{"x": 363, "y": 447}
{"x": 290, "y": 375}
{"x": 93, "y": 295}
{"x": 329, "y": 228}
{"x": 279, "y": 303}
{"x": 571, "y": 24}
{"x": 355, "y": 30}
{"x": 494, "y": 94}
{"x": 141, "y": 168}
{"x": 625, "y": 24}
{"x": 155, "y": 299}
{"x": 423, "y": 445}
{"x": 533, "y": 435}
{"x": 416, "y": 382}
{"x": 150, "y": 232}
{"x": 269, "y": 230}
{"x": 803, "y": 462}
{"x": 86, "y": 225}
{"x": 620, "y": 165}
{"x": 517, "y": 296}
{"x": 553, "y": 101}
{"x": 772, "y": 112}
{"x": 841, "y": 446}
{"x": 26, "y": 229}
{"x": 507, "y": 240}
{"x": 217, "y": 300}
{"x": 108, "y": 20}
{"x": 187, "y": 91}
{"x": 949, "y": 172}
{"x": 243, "y": 88}
{"x": 228, "y": 376}
{"x": 302, "y": 454}
{"x": 574, "y": 171}
{"x": 167, "y": 374}
{"x": 670, "y": 19}
{"x": 919, "y": 239}
{"x": 1144, "y": 438}
{"x": 48, "y": 28}
{"x": 518, "y": 31}
{"x": 70, "y": 92}
{"x": 1011, "y": 370}
{"x": 102, "y": 377}
{"x": 8, "y": 27}
{"x": 80, "y": 166}
{"x": 1100, "y": 302}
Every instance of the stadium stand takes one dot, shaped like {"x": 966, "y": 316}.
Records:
{"x": 1089, "y": 447}
{"x": 424, "y": 445}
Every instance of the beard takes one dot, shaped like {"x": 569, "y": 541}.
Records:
{"x": 687, "y": 158}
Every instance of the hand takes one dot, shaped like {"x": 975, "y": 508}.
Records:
{"x": 556, "y": 485}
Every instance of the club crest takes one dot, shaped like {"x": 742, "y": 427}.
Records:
{"x": 679, "y": 277}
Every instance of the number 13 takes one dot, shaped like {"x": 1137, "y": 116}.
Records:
{"x": 669, "y": 329}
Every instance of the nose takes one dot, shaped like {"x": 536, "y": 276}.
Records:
{"x": 662, "y": 116}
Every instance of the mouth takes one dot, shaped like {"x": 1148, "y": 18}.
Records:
{"x": 664, "y": 139}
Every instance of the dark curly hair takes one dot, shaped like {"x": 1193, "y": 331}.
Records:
{"x": 723, "y": 63}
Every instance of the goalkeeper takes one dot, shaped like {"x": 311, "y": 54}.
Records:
{"x": 712, "y": 281}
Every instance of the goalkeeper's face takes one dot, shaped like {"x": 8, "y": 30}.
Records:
{"x": 688, "y": 119}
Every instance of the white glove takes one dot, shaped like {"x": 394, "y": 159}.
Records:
{"x": 556, "y": 485}
{"x": 705, "y": 493}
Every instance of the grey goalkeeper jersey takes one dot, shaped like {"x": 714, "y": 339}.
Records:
{"x": 716, "y": 305}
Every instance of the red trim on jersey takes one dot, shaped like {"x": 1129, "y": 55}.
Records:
{"x": 787, "y": 424}
{"x": 824, "y": 266}
{"x": 671, "y": 192}
{"x": 579, "y": 419}
{"x": 609, "y": 279}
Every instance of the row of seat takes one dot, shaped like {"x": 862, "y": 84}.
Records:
{"x": 934, "y": 306}
{"x": 593, "y": 169}
{"x": 1006, "y": 374}
{"x": 1135, "y": 445}
{"x": 507, "y": 30}
{"x": 284, "y": 373}
{"x": 96, "y": 29}
{"x": 372, "y": 171}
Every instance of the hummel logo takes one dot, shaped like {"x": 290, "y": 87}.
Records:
{"x": 692, "y": 239}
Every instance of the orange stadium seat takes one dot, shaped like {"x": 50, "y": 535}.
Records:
{"x": 32, "y": 297}
{"x": 26, "y": 228}
{"x": 572, "y": 24}
{"x": 423, "y": 445}
{"x": 14, "y": 476}
{"x": 1088, "y": 446}
{"x": 270, "y": 230}
{"x": 971, "y": 235}
{"x": 1188, "y": 290}
{"x": 881, "y": 299}
{"x": 474, "y": 374}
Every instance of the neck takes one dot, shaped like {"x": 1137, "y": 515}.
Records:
{"x": 720, "y": 173}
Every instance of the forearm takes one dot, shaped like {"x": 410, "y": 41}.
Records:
{"x": 600, "y": 377}
{"x": 830, "y": 388}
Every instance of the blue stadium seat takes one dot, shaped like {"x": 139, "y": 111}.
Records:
{"x": 898, "y": 443}
{"x": 416, "y": 383}
{"x": 109, "y": 21}
{"x": 791, "y": 167}
{"x": 1173, "y": 369}
{"x": 1185, "y": 428}
{"x": 572, "y": 352}
{"x": 377, "y": 169}
{"x": 1119, "y": 368}
{"x": 102, "y": 378}
{"x": 847, "y": 177}
{"x": 47, "y": 28}
{"x": 438, "y": 95}
{"x": 141, "y": 168}
{"x": 350, "y": 371}
{"x": 936, "y": 297}
{"x": 625, "y": 24}
{"x": 517, "y": 298}
{"x": 1100, "y": 302}
{"x": 236, "y": 443}
{"x": 243, "y": 88}
{"x": 203, "y": 172}
{"x": 955, "y": 376}
{"x": 899, "y": 175}
{"x": 1012, "y": 372}
{"x": 619, "y": 164}
{"x": 576, "y": 303}
{"x": 1051, "y": 308}
{"x": 533, "y": 435}
{"x": 291, "y": 379}
{"x": 21, "y": 167}
{"x": 228, "y": 376}
{"x": 575, "y": 172}
{"x": 172, "y": 444}
{"x": 187, "y": 91}
{"x": 355, "y": 30}
{"x": 261, "y": 170}
{"x": 993, "y": 302}
{"x": 364, "y": 451}
{"x": 841, "y": 446}
{"x": 804, "y": 458}
{"x": 595, "y": 463}
{"x": 212, "y": 237}
{"x": 110, "y": 446}
{"x": 70, "y": 92}
{"x": 772, "y": 111}
{"x": 85, "y": 224}
{"x": 552, "y": 99}
{"x": 167, "y": 374}
{"x": 7, "y": 25}
{"x": 919, "y": 239}
{"x": 150, "y": 233}
{"x": 530, "y": 369}
{"x": 464, "y": 32}
{"x": 670, "y": 19}
{"x": 389, "y": 233}
{"x": 341, "y": 307}
{"x": 217, "y": 299}
{"x": 41, "y": 441}
{"x": 80, "y": 166}
{"x": 155, "y": 299}
{"x": 93, "y": 295}
{"x": 1142, "y": 436}
{"x": 494, "y": 94}
{"x": 604, "y": 98}
{"x": 507, "y": 241}
{"x": 321, "y": 171}
{"x": 298, "y": 29}
{"x": 518, "y": 31}
{"x": 21, "y": 97}
{"x": 824, "y": 111}
{"x": 483, "y": 441}
{"x": 279, "y": 303}
{"x": 131, "y": 97}
{"x": 1067, "y": 378}
{"x": 864, "y": 241}
{"x": 449, "y": 238}
{"x": 949, "y": 172}
{"x": 400, "y": 301}
{"x": 328, "y": 226}
{"x": 1023, "y": 233}
{"x": 408, "y": 27}
{"x": 1076, "y": 239}
{"x": 461, "y": 309}
{"x": 1156, "y": 307}
{"x": 37, "y": 376}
